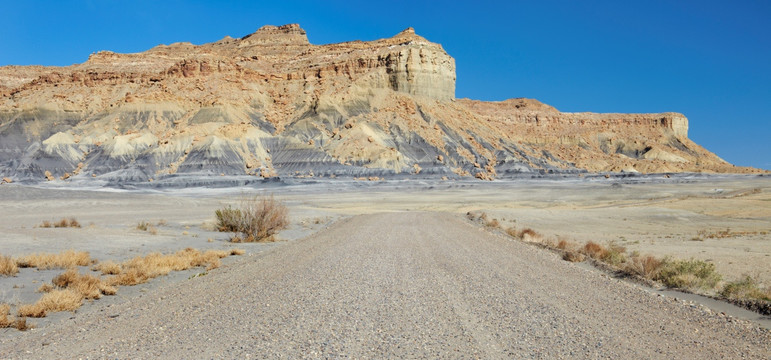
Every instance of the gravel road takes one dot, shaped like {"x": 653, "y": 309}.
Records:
{"x": 407, "y": 285}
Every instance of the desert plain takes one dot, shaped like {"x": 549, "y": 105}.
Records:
{"x": 676, "y": 216}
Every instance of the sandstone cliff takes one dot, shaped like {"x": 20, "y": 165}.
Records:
{"x": 272, "y": 104}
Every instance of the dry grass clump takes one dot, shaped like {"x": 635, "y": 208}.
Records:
{"x": 5, "y": 310}
{"x": 64, "y": 260}
{"x": 63, "y": 223}
{"x": 237, "y": 252}
{"x": 746, "y": 288}
{"x": 646, "y": 266}
{"x": 6, "y": 322}
{"x": 90, "y": 287}
{"x": 54, "y": 301}
{"x": 107, "y": 268}
{"x": 141, "y": 269}
{"x": 8, "y": 266}
{"x": 71, "y": 289}
{"x": 21, "y": 324}
{"x": 257, "y": 219}
{"x": 688, "y": 274}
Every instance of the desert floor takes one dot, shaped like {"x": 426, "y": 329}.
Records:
{"x": 654, "y": 215}
{"x": 398, "y": 285}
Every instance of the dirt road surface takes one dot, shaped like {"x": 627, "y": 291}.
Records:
{"x": 404, "y": 284}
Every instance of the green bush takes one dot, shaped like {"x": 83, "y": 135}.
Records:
{"x": 746, "y": 288}
{"x": 688, "y": 274}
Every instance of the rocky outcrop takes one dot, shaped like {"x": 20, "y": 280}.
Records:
{"x": 272, "y": 104}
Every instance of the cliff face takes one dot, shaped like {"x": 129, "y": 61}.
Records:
{"x": 271, "y": 103}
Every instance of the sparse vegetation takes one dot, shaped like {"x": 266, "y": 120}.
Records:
{"x": 8, "y": 266}
{"x": 141, "y": 269}
{"x": 67, "y": 290}
{"x": 63, "y": 260}
{"x": 256, "y": 219}
{"x": 681, "y": 274}
{"x": 146, "y": 226}
{"x": 723, "y": 234}
{"x": 63, "y": 223}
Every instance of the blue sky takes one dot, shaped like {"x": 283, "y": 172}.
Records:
{"x": 709, "y": 60}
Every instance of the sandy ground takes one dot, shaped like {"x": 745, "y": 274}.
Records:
{"x": 659, "y": 216}
{"x": 399, "y": 285}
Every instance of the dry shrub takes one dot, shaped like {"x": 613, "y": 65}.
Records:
{"x": 54, "y": 301}
{"x": 594, "y": 250}
{"x": 512, "y": 231}
{"x": 746, "y": 288}
{"x": 107, "y": 268}
{"x": 63, "y": 260}
{"x": 237, "y": 252}
{"x": 141, "y": 269}
{"x": 8, "y": 266}
{"x": 21, "y": 324}
{"x": 570, "y": 250}
{"x": 146, "y": 226}
{"x": 88, "y": 286}
{"x": 645, "y": 266}
{"x": 493, "y": 224}
{"x": 529, "y": 234}
{"x": 63, "y": 223}
{"x": 573, "y": 256}
{"x": 613, "y": 254}
{"x": 45, "y": 287}
{"x": 257, "y": 219}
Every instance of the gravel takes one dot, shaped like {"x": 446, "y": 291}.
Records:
{"x": 406, "y": 285}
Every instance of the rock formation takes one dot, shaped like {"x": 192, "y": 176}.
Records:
{"x": 272, "y": 104}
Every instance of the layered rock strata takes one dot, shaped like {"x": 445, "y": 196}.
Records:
{"x": 272, "y": 104}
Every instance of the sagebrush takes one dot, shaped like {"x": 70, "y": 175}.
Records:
{"x": 257, "y": 218}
